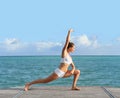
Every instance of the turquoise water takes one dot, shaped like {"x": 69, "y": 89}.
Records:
{"x": 95, "y": 70}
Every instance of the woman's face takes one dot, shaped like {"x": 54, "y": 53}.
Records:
{"x": 72, "y": 49}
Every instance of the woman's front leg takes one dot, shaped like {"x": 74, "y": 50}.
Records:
{"x": 76, "y": 76}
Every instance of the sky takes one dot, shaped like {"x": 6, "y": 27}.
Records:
{"x": 39, "y": 27}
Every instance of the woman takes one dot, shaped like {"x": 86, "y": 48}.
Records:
{"x": 62, "y": 71}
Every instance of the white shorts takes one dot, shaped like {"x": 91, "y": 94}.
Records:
{"x": 59, "y": 72}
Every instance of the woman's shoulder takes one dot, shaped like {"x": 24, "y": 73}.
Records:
{"x": 64, "y": 54}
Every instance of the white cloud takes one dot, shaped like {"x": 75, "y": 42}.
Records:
{"x": 84, "y": 41}
{"x": 41, "y": 46}
{"x": 84, "y": 45}
{"x": 11, "y": 41}
{"x": 118, "y": 39}
{"x": 95, "y": 44}
{"x": 12, "y": 44}
{"x": 16, "y": 47}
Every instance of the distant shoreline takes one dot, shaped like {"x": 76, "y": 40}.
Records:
{"x": 49, "y": 55}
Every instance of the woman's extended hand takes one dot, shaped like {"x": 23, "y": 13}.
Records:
{"x": 71, "y": 30}
{"x": 72, "y": 71}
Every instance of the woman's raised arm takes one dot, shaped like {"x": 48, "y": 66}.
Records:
{"x": 66, "y": 43}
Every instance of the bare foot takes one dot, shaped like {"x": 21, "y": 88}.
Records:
{"x": 75, "y": 88}
{"x": 27, "y": 87}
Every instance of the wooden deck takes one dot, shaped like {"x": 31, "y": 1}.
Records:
{"x": 61, "y": 92}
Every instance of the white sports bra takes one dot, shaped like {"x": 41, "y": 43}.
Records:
{"x": 67, "y": 60}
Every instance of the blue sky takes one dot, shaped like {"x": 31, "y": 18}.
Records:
{"x": 39, "y": 27}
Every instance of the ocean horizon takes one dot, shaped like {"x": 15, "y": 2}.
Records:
{"x": 96, "y": 70}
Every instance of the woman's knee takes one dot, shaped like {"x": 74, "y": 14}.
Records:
{"x": 77, "y": 71}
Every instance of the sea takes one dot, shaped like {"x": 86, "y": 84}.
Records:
{"x": 96, "y": 70}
